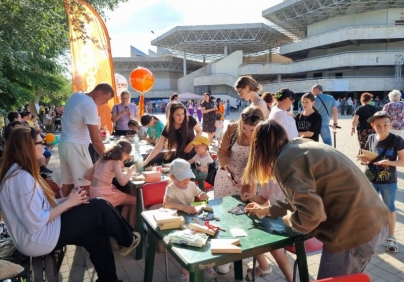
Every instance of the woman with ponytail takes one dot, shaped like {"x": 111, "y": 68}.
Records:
{"x": 40, "y": 224}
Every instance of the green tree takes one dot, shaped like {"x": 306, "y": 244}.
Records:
{"x": 34, "y": 39}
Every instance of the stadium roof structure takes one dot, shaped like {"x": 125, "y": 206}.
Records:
{"x": 209, "y": 41}
{"x": 295, "y": 15}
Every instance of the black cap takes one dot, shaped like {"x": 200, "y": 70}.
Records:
{"x": 379, "y": 114}
{"x": 283, "y": 94}
{"x": 145, "y": 119}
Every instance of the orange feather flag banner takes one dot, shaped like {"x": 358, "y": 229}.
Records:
{"x": 141, "y": 104}
{"x": 91, "y": 54}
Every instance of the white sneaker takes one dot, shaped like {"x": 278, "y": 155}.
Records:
{"x": 224, "y": 268}
{"x": 124, "y": 251}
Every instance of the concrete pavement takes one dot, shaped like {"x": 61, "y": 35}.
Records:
{"x": 384, "y": 267}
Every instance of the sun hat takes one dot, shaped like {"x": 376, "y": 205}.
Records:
{"x": 200, "y": 140}
{"x": 181, "y": 169}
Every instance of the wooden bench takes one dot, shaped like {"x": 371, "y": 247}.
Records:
{"x": 44, "y": 268}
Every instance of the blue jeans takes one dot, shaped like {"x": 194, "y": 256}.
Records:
{"x": 326, "y": 133}
{"x": 351, "y": 261}
{"x": 388, "y": 192}
{"x": 228, "y": 110}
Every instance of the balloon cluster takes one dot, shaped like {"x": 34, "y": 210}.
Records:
{"x": 51, "y": 139}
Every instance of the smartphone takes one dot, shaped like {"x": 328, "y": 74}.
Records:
{"x": 126, "y": 107}
{"x": 198, "y": 163}
{"x": 231, "y": 175}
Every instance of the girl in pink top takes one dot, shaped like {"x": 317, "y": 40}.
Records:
{"x": 105, "y": 169}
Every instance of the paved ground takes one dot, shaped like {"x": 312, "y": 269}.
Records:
{"x": 383, "y": 267}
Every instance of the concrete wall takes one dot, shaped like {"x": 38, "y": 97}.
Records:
{"x": 379, "y": 17}
{"x": 391, "y": 46}
{"x": 323, "y": 63}
{"x": 336, "y": 85}
{"x": 228, "y": 65}
{"x": 186, "y": 83}
{"x": 344, "y": 34}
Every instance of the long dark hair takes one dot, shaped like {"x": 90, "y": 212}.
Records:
{"x": 172, "y": 142}
{"x": 20, "y": 149}
{"x": 115, "y": 153}
{"x": 268, "y": 140}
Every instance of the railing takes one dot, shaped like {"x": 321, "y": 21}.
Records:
{"x": 327, "y": 56}
{"x": 317, "y": 78}
{"x": 342, "y": 28}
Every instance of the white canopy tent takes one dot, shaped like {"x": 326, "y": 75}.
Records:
{"x": 190, "y": 96}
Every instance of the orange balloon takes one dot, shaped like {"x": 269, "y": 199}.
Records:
{"x": 141, "y": 79}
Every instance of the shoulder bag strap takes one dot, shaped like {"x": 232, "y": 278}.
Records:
{"x": 233, "y": 139}
{"x": 324, "y": 105}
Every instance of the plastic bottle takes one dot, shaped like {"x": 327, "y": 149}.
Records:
{"x": 136, "y": 142}
{"x": 139, "y": 162}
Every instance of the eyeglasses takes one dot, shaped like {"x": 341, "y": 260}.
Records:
{"x": 253, "y": 118}
{"x": 239, "y": 92}
{"x": 43, "y": 142}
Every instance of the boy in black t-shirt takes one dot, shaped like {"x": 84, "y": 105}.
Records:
{"x": 386, "y": 180}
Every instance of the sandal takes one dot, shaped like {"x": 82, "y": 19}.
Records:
{"x": 392, "y": 245}
{"x": 258, "y": 273}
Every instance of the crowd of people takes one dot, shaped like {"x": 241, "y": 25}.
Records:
{"x": 321, "y": 192}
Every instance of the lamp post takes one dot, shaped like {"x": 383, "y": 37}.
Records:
{"x": 156, "y": 37}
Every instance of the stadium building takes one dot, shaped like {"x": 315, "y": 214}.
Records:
{"x": 348, "y": 47}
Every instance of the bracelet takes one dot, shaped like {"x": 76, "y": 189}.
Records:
{"x": 335, "y": 123}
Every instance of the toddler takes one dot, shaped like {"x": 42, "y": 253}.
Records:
{"x": 202, "y": 157}
{"x": 268, "y": 194}
{"x": 104, "y": 170}
{"x": 180, "y": 194}
{"x": 219, "y": 128}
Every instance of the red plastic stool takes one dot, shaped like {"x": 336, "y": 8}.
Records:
{"x": 358, "y": 277}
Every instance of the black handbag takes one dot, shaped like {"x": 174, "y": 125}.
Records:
{"x": 215, "y": 166}
{"x": 372, "y": 171}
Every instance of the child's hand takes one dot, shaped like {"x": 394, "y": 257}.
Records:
{"x": 363, "y": 159}
{"x": 247, "y": 196}
{"x": 133, "y": 168}
{"x": 254, "y": 208}
{"x": 382, "y": 162}
{"x": 203, "y": 196}
{"x": 189, "y": 209}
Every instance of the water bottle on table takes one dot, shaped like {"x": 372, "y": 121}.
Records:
{"x": 136, "y": 142}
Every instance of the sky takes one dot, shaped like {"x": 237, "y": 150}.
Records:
{"x": 132, "y": 22}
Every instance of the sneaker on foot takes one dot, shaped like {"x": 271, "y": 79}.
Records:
{"x": 46, "y": 170}
{"x": 224, "y": 268}
{"x": 124, "y": 251}
{"x": 392, "y": 245}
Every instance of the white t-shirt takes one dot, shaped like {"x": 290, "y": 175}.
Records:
{"x": 26, "y": 211}
{"x": 272, "y": 191}
{"x": 80, "y": 110}
{"x": 183, "y": 196}
{"x": 204, "y": 160}
{"x": 285, "y": 120}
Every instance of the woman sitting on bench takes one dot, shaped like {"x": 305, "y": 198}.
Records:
{"x": 40, "y": 224}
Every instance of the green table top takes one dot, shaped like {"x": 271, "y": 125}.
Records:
{"x": 262, "y": 235}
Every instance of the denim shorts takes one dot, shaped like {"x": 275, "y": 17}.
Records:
{"x": 388, "y": 192}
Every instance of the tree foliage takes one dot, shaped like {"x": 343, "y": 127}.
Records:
{"x": 34, "y": 39}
